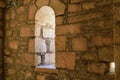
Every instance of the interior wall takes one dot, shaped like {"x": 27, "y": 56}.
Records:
{"x": 84, "y": 40}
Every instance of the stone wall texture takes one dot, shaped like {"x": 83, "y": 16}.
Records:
{"x": 84, "y": 40}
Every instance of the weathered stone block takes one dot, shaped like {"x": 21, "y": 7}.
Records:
{"x": 13, "y": 44}
{"x": 50, "y": 58}
{"x": 68, "y": 29}
{"x": 100, "y": 41}
{"x": 60, "y": 42}
{"x": 65, "y": 60}
{"x": 74, "y": 8}
{"x": 106, "y": 54}
{"x": 28, "y": 75}
{"x": 31, "y": 45}
{"x": 90, "y": 56}
{"x": 41, "y": 3}
{"x": 27, "y": 30}
{"x": 99, "y": 68}
{"x": 32, "y": 11}
{"x": 40, "y": 45}
{"x": 79, "y": 44}
{"x": 48, "y": 33}
{"x": 58, "y": 6}
{"x": 11, "y": 71}
{"x": 9, "y": 60}
{"x": 41, "y": 77}
{"x": 88, "y": 5}
{"x": 78, "y": 18}
{"x": 51, "y": 46}
{"x": 27, "y": 59}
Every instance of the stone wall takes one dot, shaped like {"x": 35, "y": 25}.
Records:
{"x": 116, "y": 9}
{"x": 84, "y": 40}
{"x": 2, "y": 5}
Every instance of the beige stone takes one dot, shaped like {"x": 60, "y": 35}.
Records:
{"x": 99, "y": 68}
{"x": 27, "y": 59}
{"x": 13, "y": 44}
{"x": 60, "y": 42}
{"x": 40, "y": 45}
{"x": 41, "y": 77}
{"x": 74, "y": 8}
{"x": 68, "y": 29}
{"x": 31, "y": 45}
{"x": 28, "y": 74}
{"x": 65, "y": 60}
{"x": 79, "y": 44}
{"x": 89, "y": 5}
{"x": 78, "y": 18}
{"x": 11, "y": 71}
{"x": 41, "y": 3}
{"x": 48, "y": 33}
{"x": 27, "y": 30}
{"x": 58, "y": 6}
{"x": 32, "y": 12}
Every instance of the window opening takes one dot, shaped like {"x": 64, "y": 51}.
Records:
{"x": 45, "y": 38}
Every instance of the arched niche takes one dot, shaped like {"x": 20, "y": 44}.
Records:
{"x": 45, "y": 37}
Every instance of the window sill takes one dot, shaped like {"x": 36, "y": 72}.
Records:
{"x": 46, "y": 68}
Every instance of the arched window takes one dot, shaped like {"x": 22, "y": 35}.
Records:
{"x": 45, "y": 38}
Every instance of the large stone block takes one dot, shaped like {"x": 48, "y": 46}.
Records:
{"x": 88, "y": 5}
{"x": 78, "y": 18}
{"x": 27, "y": 30}
{"x": 58, "y": 6}
{"x": 60, "y": 42}
{"x": 106, "y": 54}
{"x": 100, "y": 41}
{"x": 74, "y": 8}
{"x": 13, "y": 44}
{"x": 41, "y": 77}
{"x": 40, "y": 45}
{"x": 32, "y": 12}
{"x": 48, "y": 33}
{"x": 50, "y": 58}
{"x": 99, "y": 68}
{"x": 50, "y": 45}
{"x": 79, "y": 44}
{"x": 68, "y": 29}
{"x": 41, "y": 3}
{"x": 65, "y": 60}
{"x": 27, "y": 59}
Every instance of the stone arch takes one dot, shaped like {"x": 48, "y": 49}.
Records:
{"x": 45, "y": 37}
